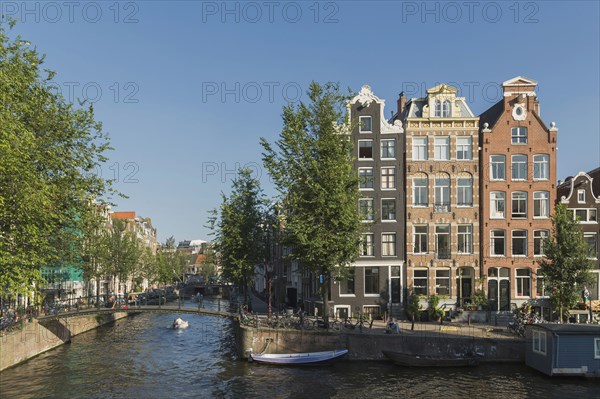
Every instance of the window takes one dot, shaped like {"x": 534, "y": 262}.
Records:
{"x": 519, "y": 242}
{"x": 442, "y": 281}
{"x": 538, "y": 242}
{"x": 388, "y": 244}
{"x": 420, "y": 282}
{"x": 366, "y": 245}
{"x": 464, "y": 190}
{"x": 539, "y": 342}
{"x": 519, "y": 204}
{"x": 347, "y": 284}
{"x": 371, "y": 280}
{"x": 540, "y": 285}
{"x": 419, "y": 148}
{"x": 463, "y": 148}
{"x": 366, "y": 124}
{"x": 441, "y": 148}
{"x": 420, "y": 190}
{"x": 497, "y": 204}
{"x": 596, "y": 348}
{"x": 365, "y": 209}
{"x": 519, "y": 167}
{"x": 541, "y": 167}
{"x": 365, "y": 177}
{"x": 523, "y": 282}
{"x": 388, "y": 209}
{"x": 497, "y": 242}
{"x": 420, "y": 239}
{"x": 365, "y": 149}
{"x": 442, "y": 241}
{"x": 498, "y": 167}
{"x": 465, "y": 239}
{"x": 388, "y": 149}
{"x": 438, "y": 108}
{"x": 541, "y": 204}
{"x": 592, "y": 243}
{"x": 446, "y": 109}
{"x": 442, "y": 193}
{"x": 585, "y": 215}
{"x": 581, "y": 196}
{"x": 388, "y": 178}
{"x": 519, "y": 135}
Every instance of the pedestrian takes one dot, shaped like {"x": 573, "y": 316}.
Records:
{"x": 585, "y": 294}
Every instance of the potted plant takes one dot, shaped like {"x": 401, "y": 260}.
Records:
{"x": 479, "y": 299}
{"x": 435, "y": 312}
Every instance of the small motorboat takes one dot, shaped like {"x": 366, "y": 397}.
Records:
{"x": 299, "y": 359}
{"x": 179, "y": 324}
{"x": 404, "y": 359}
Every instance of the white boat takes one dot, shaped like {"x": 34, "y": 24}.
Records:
{"x": 179, "y": 324}
{"x": 299, "y": 359}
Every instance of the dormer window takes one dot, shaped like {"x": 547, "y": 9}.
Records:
{"x": 365, "y": 123}
{"x": 581, "y": 196}
{"x": 442, "y": 109}
{"x": 446, "y": 109}
{"x": 438, "y": 108}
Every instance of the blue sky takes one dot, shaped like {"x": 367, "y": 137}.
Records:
{"x": 186, "y": 88}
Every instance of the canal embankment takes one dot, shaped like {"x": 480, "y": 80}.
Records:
{"x": 36, "y": 337}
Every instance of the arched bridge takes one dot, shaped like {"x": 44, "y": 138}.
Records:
{"x": 136, "y": 309}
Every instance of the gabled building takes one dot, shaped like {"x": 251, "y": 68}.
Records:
{"x": 518, "y": 188}
{"x": 442, "y": 195}
{"x": 581, "y": 195}
{"x": 374, "y": 284}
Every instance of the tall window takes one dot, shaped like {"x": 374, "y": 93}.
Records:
{"x": 419, "y": 148}
{"x": 541, "y": 167}
{"x": 519, "y": 167}
{"x": 420, "y": 281}
{"x": 538, "y": 242}
{"x": 497, "y": 238}
{"x": 539, "y": 342}
{"x": 365, "y": 149}
{"x": 442, "y": 241}
{"x": 420, "y": 190}
{"x": 438, "y": 108}
{"x": 540, "y": 285}
{"x": 591, "y": 239}
{"x": 388, "y": 209}
{"x": 581, "y": 196}
{"x": 441, "y": 148}
{"x": 519, "y": 242}
{"x": 541, "y": 204}
{"x": 420, "y": 239}
{"x": 464, "y": 190}
{"x": 498, "y": 167}
{"x": 366, "y": 245}
{"x": 442, "y": 281}
{"x": 388, "y": 149}
{"x": 442, "y": 192}
{"x": 366, "y": 124}
{"x": 365, "y": 208}
{"x": 371, "y": 280}
{"x": 365, "y": 177}
{"x": 518, "y": 135}
{"x": 347, "y": 284}
{"x": 497, "y": 204}
{"x": 446, "y": 109}
{"x": 523, "y": 282}
{"x": 388, "y": 178}
{"x": 465, "y": 239}
{"x": 463, "y": 148}
{"x": 388, "y": 244}
{"x": 519, "y": 204}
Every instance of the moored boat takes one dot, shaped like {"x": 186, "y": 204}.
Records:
{"x": 179, "y": 324}
{"x": 404, "y": 359}
{"x": 299, "y": 359}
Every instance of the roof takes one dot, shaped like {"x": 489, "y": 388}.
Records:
{"x": 123, "y": 215}
{"x": 571, "y": 329}
{"x": 492, "y": 114}
{"x": 595, "y": 174}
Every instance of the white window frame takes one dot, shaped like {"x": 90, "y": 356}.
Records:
{"x": 421, "y": 188}
{"x": 596, "y": 348}
{"x": 367, "y": 245}
{"x": 381, "y": 146}
{"x": 441, "y": 144}
{"x": 418, "y": 144}
{"x": 588, "y": 213}
{"x": 540, "y": 281}
{"x": 492, "y": 246}
{"x": 520, "y": 199}
{"x": 581, "y": 196}
{"x": 387, "y": 245}
{"x": 388, "y": 180}
{"x": 466, "y": 237}
{"x": 541, "y": 204}
{"x": 516, "y": 135}
{"x": 463, "y": 199}
{"x": 495, "y": 167}
{"x": 362, "y": 124}
{"x": 520, "y": 169}
{"x": 372, "y": 179}
{"x": 540, "y": 235}
{"x": 395, "y": 210}
{"x": 541, "y": 167}
{"x": 512, "y": 242}
{"x": 365, "y": 281}
{"x": 540, "y": 337}
{"x": 420, "y": 236}
{"x": 521, "y": 281}
{"x": 446, "y": 109}
{"x": 366, "y": 217}
{"x": 372, "y": 152}
{"x": 595, "y": 236}
{"x": 442, "y": 278}
{"x": 426, "y": 278}
{"x": 441, "y": 200}
{"x": 437, "y": 108}
{"x": 464, "y": 148}
{"x": 497, "y": 197}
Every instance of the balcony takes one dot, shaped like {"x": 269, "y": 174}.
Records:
{"x": 442, "y": 254}
{"x": 441, "y": 208}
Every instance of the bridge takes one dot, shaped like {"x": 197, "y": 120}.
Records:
{"x": 135, "y": 309}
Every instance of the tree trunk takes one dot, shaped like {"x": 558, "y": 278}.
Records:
{"x": 269, "y": 288}
{"x": 325, "y": 291}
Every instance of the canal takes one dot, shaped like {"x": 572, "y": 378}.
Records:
{"x": 141, "y": 357}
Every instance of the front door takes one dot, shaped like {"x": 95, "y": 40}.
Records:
{"x": 504, "y": 295}
{"x": 493, "y": 294}
{"x": 466, "y": 288}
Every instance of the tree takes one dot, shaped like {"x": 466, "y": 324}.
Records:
{"x": 237, "y": 227}
{"x": 49, "y": 152}
{"x": 566, "y": 264}
{"x": 312, "y": 170}
{"x": 122, "y": 251}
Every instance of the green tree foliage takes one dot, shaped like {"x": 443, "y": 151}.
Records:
{"x": 312, "y": 169}
{"x": 121, "y": 250}
{"x": 172, "y": 264}
{"x": 49, "y": 151}
{"x": 566, "y": 265}
{"x": 238, "y": 231}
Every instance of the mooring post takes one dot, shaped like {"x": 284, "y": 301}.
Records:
{"x": 219, "y": 304}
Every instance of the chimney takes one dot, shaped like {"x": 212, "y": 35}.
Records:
{"x": 401, "y": 104}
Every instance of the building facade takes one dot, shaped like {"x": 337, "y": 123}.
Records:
{"x": 442, "y": 195}
{"x": 581, "y": 195}
{"x": 518, "y": 168}
{"x": 374, "y": 283}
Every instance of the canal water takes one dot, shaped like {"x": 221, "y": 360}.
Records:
{"x": 141, "y": 357}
